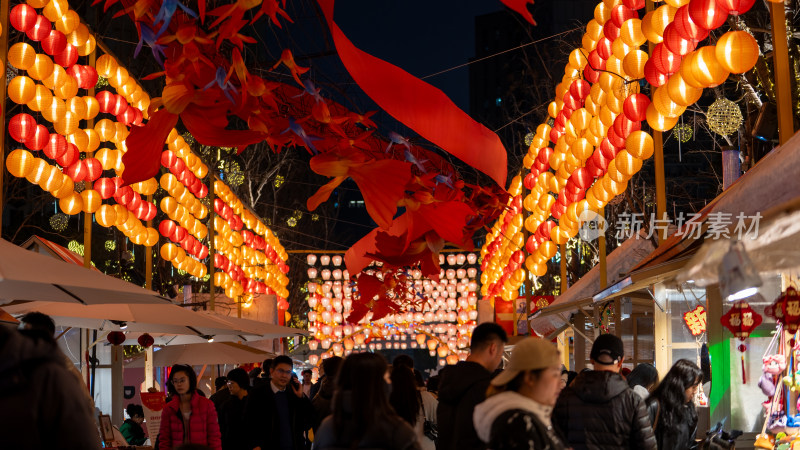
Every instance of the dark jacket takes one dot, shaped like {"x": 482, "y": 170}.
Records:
{"x": 261, "y": 417}
{"x": 219, "y": 398}
{"x": 132, "y": 432}
{"x": 322, "y": 401}
{"x": 509, "y": 421}
{"x": 41, "y": 402}
{"x": 392, "y": 434}
{"x": 316, "y": 387}
{"x": 599, "y": 411}
{"x": 679, "y": 436}
{"x": 461, "y": 388}
{"x": 235, "y": 435}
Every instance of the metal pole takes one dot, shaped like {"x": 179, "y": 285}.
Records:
{"x": 87, "y": 217}
{"x": 780, "y": 57}
{"x": 211, "y": 215}
{"x": 4, "y": 8}
{"x": 658, "y": 155}
{"x": 564, "y": 285}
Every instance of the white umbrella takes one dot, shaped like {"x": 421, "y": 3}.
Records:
{"x": 27, "y": 275}
{"x": 206, "y": 353}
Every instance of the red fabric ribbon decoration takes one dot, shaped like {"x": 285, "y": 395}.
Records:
{"x": 420, "y": 106}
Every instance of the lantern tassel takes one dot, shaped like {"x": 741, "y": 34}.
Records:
{"x": 744, "y": 375}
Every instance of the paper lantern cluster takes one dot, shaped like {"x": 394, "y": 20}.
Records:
{"x": 249, "y": 256}
{"x": 442, "y": 322}
{"x": 594, "y": 143}
{"x": 70, "y": 154}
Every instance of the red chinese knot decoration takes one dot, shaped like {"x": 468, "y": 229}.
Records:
{"x": 145, "y": 340}
{"x": 116, "y": 337}
{"x": 786, "y": 310}
{"x": 695, "y": 320}
{"x": 741, "y": 319}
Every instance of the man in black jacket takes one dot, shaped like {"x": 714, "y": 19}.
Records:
{"x": 464, "y": 385}
{"x": 278, "y": 414}
{"x": 598, "y": 410}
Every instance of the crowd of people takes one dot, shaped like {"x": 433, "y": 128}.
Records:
{"x": 363, "y": 402}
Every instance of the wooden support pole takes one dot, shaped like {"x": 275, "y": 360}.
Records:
{"x": 719, "y": 348}
{"x": 579, "y": 344}
{"x": 658, "y": 159}
{"x": 4, "y": 9}
{"x": 88, "y": 217}
{"x": 661, "y": 330}
{"x": 601, "y": 249}
{"x": 117, "y": 400}
{"x": 780, "y": 58}
{"x": 211, "y": 215}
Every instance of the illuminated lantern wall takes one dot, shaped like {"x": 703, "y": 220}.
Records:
{"x": 442, "y": 322}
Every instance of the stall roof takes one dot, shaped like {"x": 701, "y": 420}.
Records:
{"x": 619, "y": 262}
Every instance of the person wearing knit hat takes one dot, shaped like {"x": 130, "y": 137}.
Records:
{"x": 235, "y": 434}
{"x": 516, "y": 412}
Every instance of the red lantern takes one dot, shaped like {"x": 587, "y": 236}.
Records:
{"x": 676, "y": 43}
{"x": 741, "y": 319}
{"x": 40, "y": 138}
{"x": 116, "y": 337}
{"x": 581, "y": 178}
{"x": 177, "y": 167}
{"x": 179, "y": 234}
{"x": 22, "y": 127}
{"x": 106, "y": 100}
{"x": 106, "y": 187}
{"x": 621, "y": 13}
{"x": 145, "y": 340}
{"x": 635, "y": 107}
{"x": 22, "y": 17}
{"x": 736, "y": 7}
{"x": 591, "y": 75}
{"x": 633, "y": 4}
{"x": 786, "y": 310}
{"x": 66, "y": 57}
{"x": 168, "y": 158}
{"x": 623, "y": 126}
{"x": 54, "y": 43}
{"x": 687, "y": 27}
{"x": 70, "y": 155}
{"x": 40, "y": 29}
{"x": 134, "y": 202}
{"x": 88, "y": 78}
{"x": 653, "y": 76}
{"x": 124, "y": 195}
{"x": 93, "y": 168}
{"x": 608, "y": 149}
{"x": 77, "y": 171}
{"x": 579, "y": 89}
{"x": 604, "y": 48}
{"x": 78, "y": 72}
{"x": 707, "y": 13}
{"x": 665, "y": 61}
{"x": 596, "y": 61}
{"x": 151, "y": 211}
{"x": 166, "y": 228}
{"x": 611, "y": 30}
{"x": 119, "y": 106}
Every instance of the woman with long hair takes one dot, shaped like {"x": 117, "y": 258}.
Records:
{"x": 361, "y": 414}
{"x": 671, "y": 407}
{"x": 643, "y": 379}
{"x": 413, "y": 405}
{"x": 520, "y": 400}
{"x": 188, "y": 418}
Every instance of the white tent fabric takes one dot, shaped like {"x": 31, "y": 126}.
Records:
{"x": 27, "y": 275}
{"x": 205, "y": 353}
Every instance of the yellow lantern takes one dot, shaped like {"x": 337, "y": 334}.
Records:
{"x": 91, "y": 200}
{"x": 88, "y": 46}
{"x": 55, "y": 109}
{"x": 594, "y": 30}
{"x": 681, "y": 92}
{"x": 71, "y": 204}
{"x": 67, "y": 23}
{"x": 619, "y": 48}
{"x": 614, "y": 188}
{"x": 661, "y": 18}
{"x": 602, "y": 13}
{"x": 105, "y": 129}
{"x": 737, "y": 51}
{"x": 649, "y": 30}
{"x": 107, "y": 158}
{"x": 52, "y": 180}
{"x": 582, "y": 149}
{"x": 677, "y": 3}
{"x": 20, "y": 162}
{"x": 631, "y": 33}
{"x": 66, "y": 188}
{"x": 56, "y": 79}
{"x": 639, "y": 144}
{"x": 577, "y": 59}
{"x": 613, "y": 173}
{"x": 21, "y": 90}
{"x": 38, "y": 171}
{"x": 78, "y": 37}
{"x": 69, "y": 89}
{"x": 627, "y": 164}
{"x": 659, "y": 122}
{"x": 633, "y": 64}
{"x": 66, "y": 124}
{"x": 106, "y": 216}
{"x": 41, "y": 68}
{"x": 122, "y": 214}
{"x": 92, "y": 107}
{"x": 706, "y": 69}
{"x": 79, "y": 139}
{"x": 21, "y": 55}
{"x": 665, "y": 105}
{"x": 76, "y": 105}
{"x": 38, "y": 4}
{"x": 106, "y": 65}
{"x": 119, "y": 77}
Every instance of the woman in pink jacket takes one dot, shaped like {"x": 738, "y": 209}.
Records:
{"x": 188, "y": 418}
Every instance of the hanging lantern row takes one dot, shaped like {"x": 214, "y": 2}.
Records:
{"x": 594, "y": 144}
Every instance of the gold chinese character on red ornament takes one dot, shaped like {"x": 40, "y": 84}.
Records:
{"x": 696, "y": 320}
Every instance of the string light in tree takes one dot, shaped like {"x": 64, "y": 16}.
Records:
{"x": 59, "y": 221}
{"x": 683, "y": 133}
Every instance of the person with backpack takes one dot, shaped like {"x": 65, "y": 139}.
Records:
{"x": 415, "y": 406}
